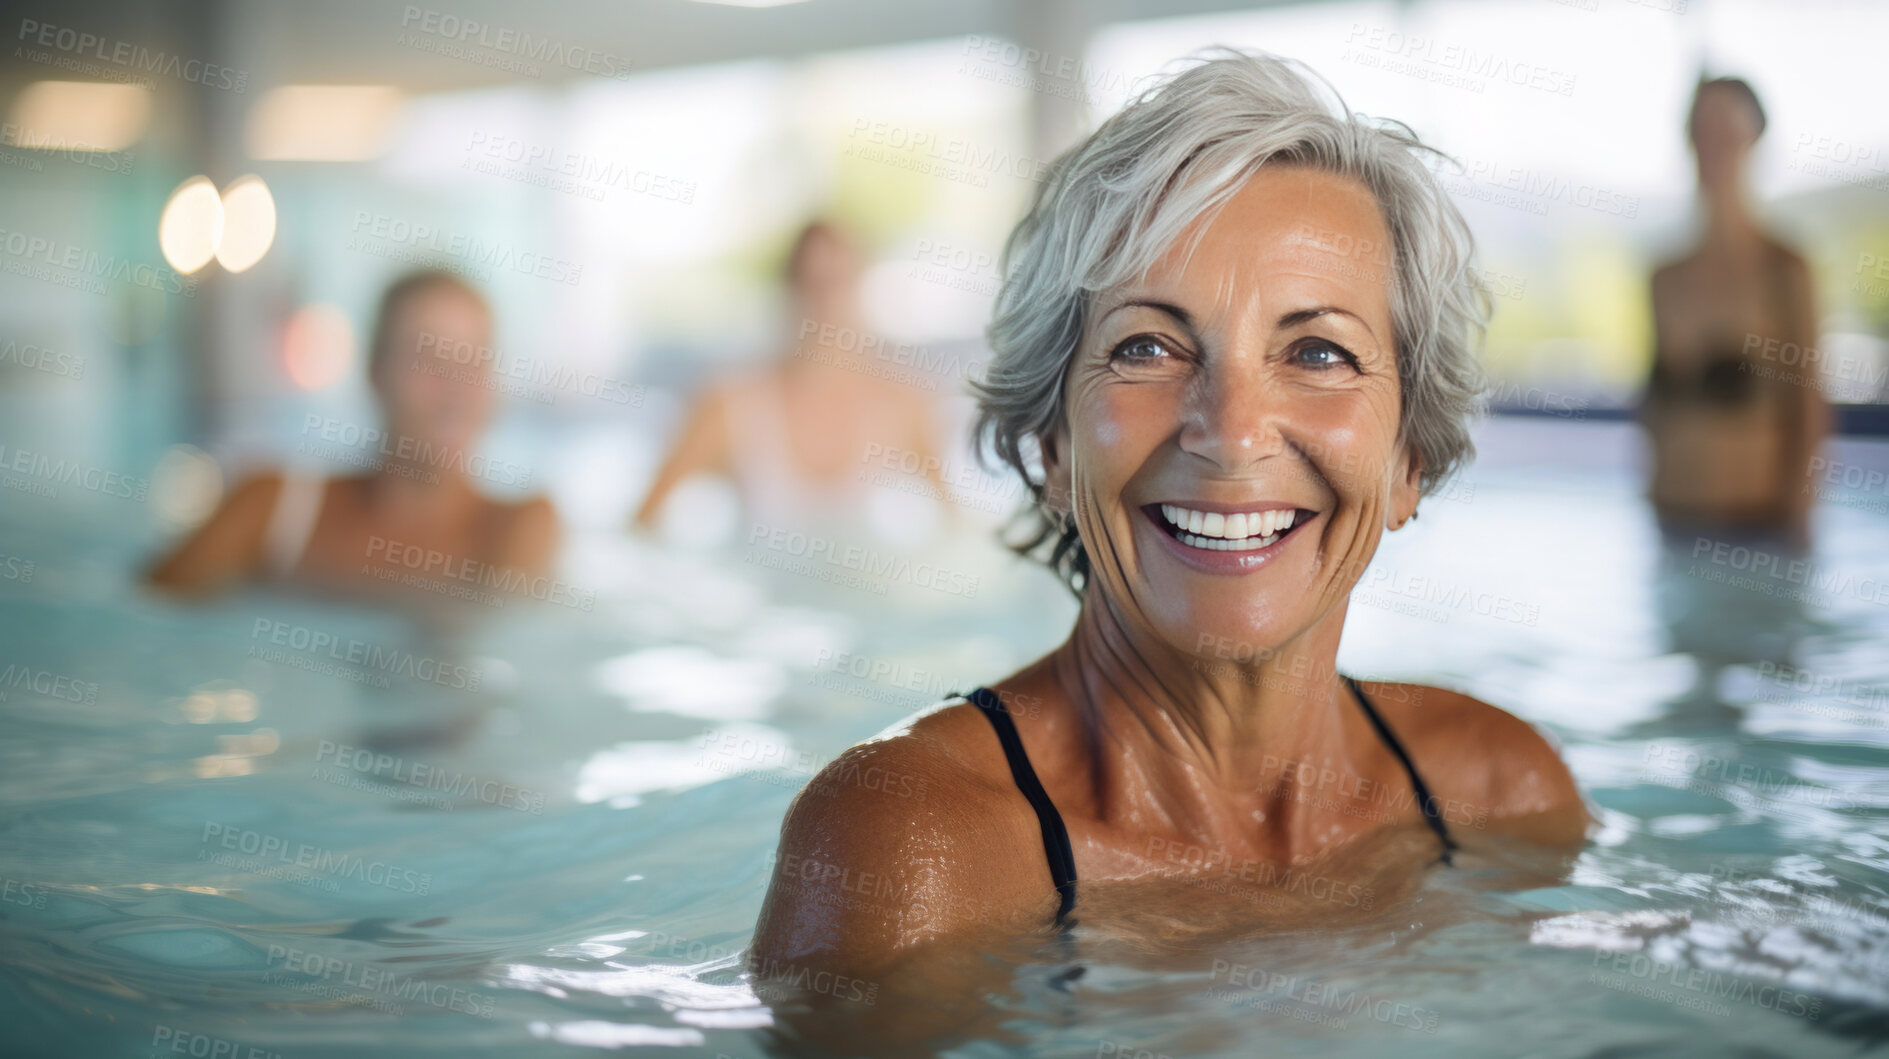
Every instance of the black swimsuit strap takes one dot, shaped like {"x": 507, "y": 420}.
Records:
{"x": 1424, "y": 797}
{"x": 1062, "y": 858}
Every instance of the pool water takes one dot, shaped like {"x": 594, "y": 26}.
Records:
{"x": 281, "y": 826}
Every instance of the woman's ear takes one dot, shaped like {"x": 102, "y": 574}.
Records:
{"x": 1056, "y": 478}
{"x": 1406, "y": 491}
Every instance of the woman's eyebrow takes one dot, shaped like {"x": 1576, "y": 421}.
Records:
{"x": 1169, "y": 308}
{"x": 1299, "y": 316}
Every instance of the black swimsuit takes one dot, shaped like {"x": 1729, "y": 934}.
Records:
{"x": 1062, "y": 860}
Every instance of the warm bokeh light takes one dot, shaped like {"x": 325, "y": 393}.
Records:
{"x": 317, "y": 346}
{"x": 192, "y": 225}
{"x": 79, "y": 115}
{"x": 248, "y": 223}
{"x": 322, "y": 123}
{"x": 186, "y": 486}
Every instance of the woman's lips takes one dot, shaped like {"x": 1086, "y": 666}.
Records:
{"x": 1226, "y": 539}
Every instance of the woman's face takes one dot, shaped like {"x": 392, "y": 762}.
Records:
{"x": 1723, "y": 132}
{"x": 1257, "y": 380}
{"x": 435, "y": 388}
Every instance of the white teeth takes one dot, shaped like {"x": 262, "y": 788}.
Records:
{"x": 1219, "y": 531}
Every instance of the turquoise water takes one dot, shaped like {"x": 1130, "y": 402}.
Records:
{"x": 276, "y": 826}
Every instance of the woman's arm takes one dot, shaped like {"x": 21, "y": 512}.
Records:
{"x": 897, "y": 876}
{"x": 702, "y": 446}
{"x": 531, "y": 541}
{"x": 226, "y": 548}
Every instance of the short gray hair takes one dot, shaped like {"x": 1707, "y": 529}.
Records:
{"x": 1114, "y": 203}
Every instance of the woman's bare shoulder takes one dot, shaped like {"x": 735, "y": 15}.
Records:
{"x": 1507, "y": 772}
{"x": 900, "y": 840}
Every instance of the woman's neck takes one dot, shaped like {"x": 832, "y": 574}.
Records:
{"x": 1212, "y": 728}
{"x": 1730, "y": 224}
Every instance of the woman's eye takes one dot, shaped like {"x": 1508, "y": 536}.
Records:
{"x": 1324, "y": 355}
{"x": 1140, "y": 347}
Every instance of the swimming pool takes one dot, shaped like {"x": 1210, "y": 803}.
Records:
{"x": 301, "y": 829}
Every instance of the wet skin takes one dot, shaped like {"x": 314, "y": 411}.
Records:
{"x": 1192, "y": 730}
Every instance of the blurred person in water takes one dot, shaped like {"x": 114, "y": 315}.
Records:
{"x": 414, "y": 528}
{"x": 805, "y": 437}
{"x": 1734, "y": 423}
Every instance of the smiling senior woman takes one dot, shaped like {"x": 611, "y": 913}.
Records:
{"x": 1238, "y": 330}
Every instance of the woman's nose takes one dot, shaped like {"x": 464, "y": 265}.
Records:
{"x": 1234, "y": 417}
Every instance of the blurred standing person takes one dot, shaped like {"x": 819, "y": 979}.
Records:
{"x": 807, "y": 438}
{"x": 363, "y": 533}
{"x": 1732, "y": 432}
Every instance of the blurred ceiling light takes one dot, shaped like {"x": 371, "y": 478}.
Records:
{"x": 317, "y": 346}
{"x": 322, "y": 123}
{"x": 248, "y": 223}
{"x": 79, "y": 115}
{"x": 192, "y": 225}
